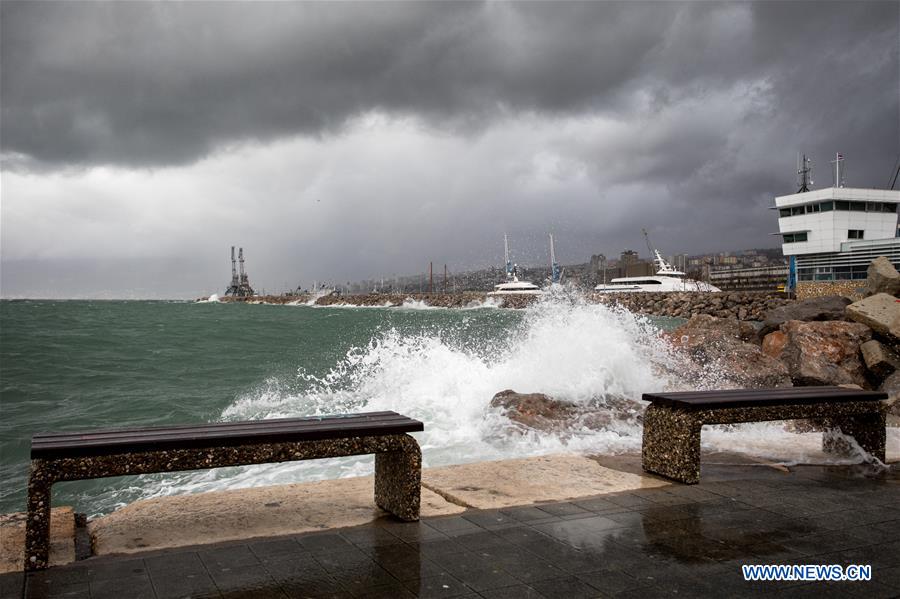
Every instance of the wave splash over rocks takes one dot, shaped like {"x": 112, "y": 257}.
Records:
{"x": 594, "y": 360}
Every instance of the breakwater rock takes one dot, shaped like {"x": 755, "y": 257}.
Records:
{"x": 466, "y": 299}
{"x": 746, "y": 305}
{"x": 740, "y": 305}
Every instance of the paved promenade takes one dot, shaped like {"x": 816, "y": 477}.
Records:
{"x": 677, "y": 540}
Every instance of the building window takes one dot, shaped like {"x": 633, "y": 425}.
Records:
{"x": 794, "y": 237}
{"x": 889, "y": 208}
{"x": 827, "y": 206}
{"x": 784, "y": 212}
{"x": 855, "y": 234}
{"x": 797, "y": 210}
{"x": 858, "y": 206}
{"x": 842, "y": 205}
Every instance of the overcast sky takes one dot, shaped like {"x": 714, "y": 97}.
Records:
{"x": 340, "y": 141}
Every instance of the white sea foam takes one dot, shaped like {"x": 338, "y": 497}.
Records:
{"x": 565, "y": 347}
{"x": 213, "y": 299}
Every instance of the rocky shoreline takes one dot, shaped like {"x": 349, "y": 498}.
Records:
{"x": 745, "y": 305}
{"x": 820, "y": 341}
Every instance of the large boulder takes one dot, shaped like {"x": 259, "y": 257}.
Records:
{"x": 891, "y": 386}
{"x": 882, "y": 277}
{"x": 825, "y": 353}
{"x": 773, "y": 344}
{"x": 879, "y": 312}
{"x": 534, "y": 410}
{"x": 718, "y": 344}
{"x": 880, "y": 359}
{"x": 544, "y": 413}
{"x": 826, "y": 307}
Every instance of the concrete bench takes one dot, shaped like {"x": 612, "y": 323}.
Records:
{"x": 96, "y": 454}
{"x": 672, "y": 422}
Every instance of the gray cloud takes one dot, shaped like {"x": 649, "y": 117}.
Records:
{"x": 167, "y": 83}
{"x": 594, "y": 119}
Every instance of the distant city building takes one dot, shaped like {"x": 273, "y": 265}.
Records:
{"x": 832, "y": 234}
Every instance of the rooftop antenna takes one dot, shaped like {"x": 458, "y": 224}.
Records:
{"x": 804, "y": 173}
{"x": 896, "y": 173}
{"x": 838, "y": 159}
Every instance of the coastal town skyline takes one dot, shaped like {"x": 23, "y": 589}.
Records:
{"x": 350, "y": 141}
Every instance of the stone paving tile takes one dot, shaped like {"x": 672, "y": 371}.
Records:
{"x": 175, "y": 564}
{"x": 75, "y": 590}
{"x": 454, "y": 525}
{"x": 12, "y": 585}
{"x": 563, "y": 509}
{"x": 275, "y": 550}
{"x": 226, "y": 558}
{"x": 388, "y": 591}
{"x": 490, "y": 519}
{"x": 373, "y": 536}
{"x": 338, "y": 561}
{"x": 520, "y": 591}
{"x": 888, "y": 576}
{"x": 324, "y": 543}
{"x": 443, "y": 585}
{"x": 610, "y": 582}
{"x": 321, "y": 585}
{"x": 134, "y": 587}
{"x": 570, "y": 587}
{"x": 192, "y": 584}
{"x": 357, "y": 580}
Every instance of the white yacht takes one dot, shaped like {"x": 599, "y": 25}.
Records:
{"x": 513, "y": 286}
{"x": 666, "y": 279}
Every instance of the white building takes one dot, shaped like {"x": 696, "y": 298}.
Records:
{"x": 833, "y": 234}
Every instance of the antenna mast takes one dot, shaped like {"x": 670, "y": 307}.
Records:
{"x": 804, "y": 173}
{"x": 838, "y": 159}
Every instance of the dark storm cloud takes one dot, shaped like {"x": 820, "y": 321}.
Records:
{"x": 419, "y": 131}
{"x": 167, "y": 83}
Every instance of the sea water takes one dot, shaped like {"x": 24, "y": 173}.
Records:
{"x": 77, "y": 365}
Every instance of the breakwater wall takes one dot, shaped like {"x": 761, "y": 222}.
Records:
{"x": 743, "y": 305}
{"x": 466, "y": 299}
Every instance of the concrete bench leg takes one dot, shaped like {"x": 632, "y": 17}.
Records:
{"x": 398, "y": 481}
{"x": 37, "y": 527}
{"x": 672, "y": 444}
{"x": 868, "y": 430}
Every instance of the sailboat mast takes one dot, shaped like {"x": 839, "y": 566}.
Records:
{"x": 506, "y": 255}
{"x": 552, "y": 253}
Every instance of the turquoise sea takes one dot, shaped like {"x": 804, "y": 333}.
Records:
{"x": 76, "y": 365}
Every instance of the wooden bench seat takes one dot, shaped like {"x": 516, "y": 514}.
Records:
{"x": 672, "y": 423}
{"x": 97, "y": 454}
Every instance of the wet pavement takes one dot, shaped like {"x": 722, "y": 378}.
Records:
{"x": 677, "y": 540}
